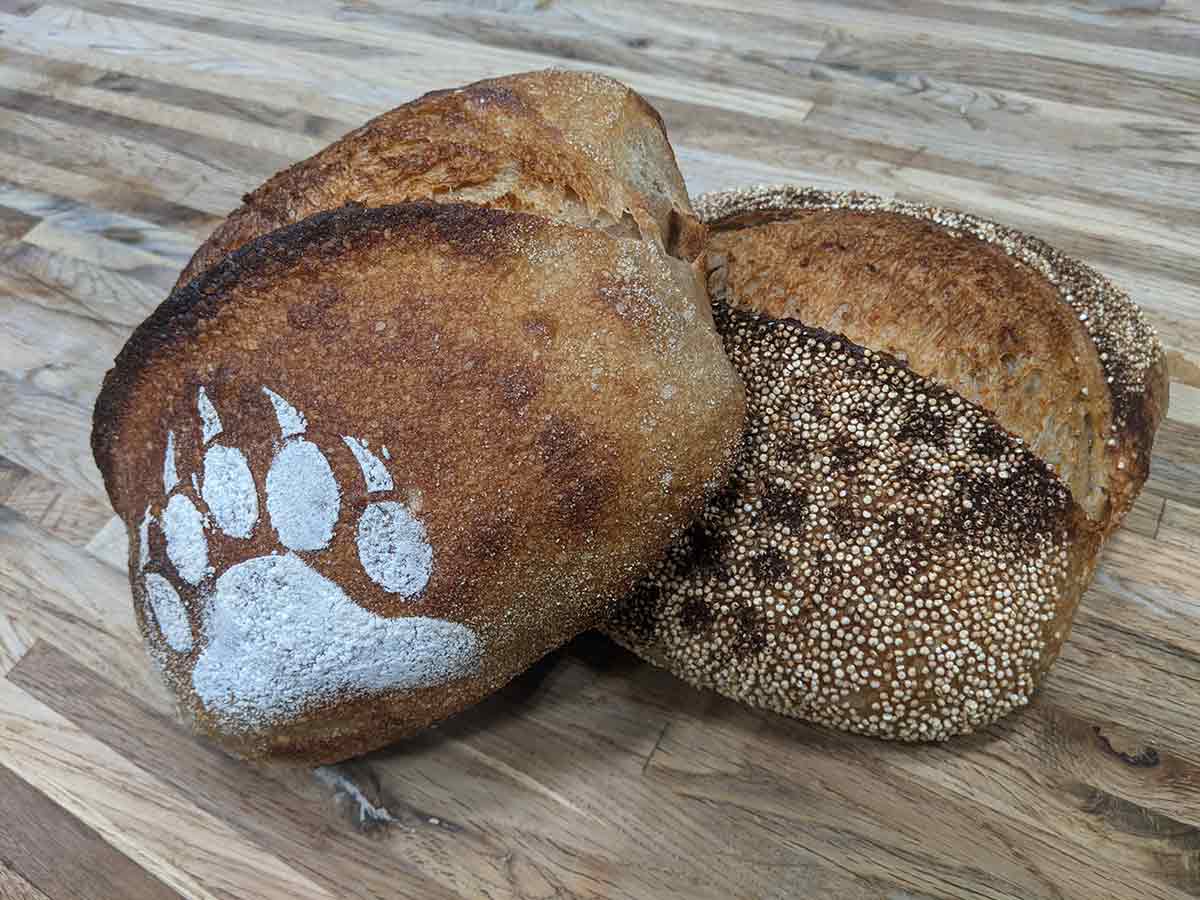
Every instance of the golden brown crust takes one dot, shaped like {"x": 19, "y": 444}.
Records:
{"x": 886, "y": 559}
{"x": 573, "y": 146}
{"x": 1062, "y": 357}
{"x": 555, "y": 402}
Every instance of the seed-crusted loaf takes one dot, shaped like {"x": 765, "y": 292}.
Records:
{"x": 935, "y": 448}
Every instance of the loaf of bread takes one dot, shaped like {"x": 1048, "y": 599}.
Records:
{"x": 944, "y": 418}
{"x": 376, "y": 462}
{"x": 572, "y": 146}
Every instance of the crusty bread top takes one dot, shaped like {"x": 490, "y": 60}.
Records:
{"x": 573, "y": 146}
{"x": 886, "y": 558}
{"x": 555, "y": 401}
{"x": 1061, "y": 356}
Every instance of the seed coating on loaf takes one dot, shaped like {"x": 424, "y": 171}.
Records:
{"x": 886, "y": 559}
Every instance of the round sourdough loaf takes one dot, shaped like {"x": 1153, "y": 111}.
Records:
{"x": 376, "y": 463}
{"x": 944, "y": 418}
{"x": 572, "y": 146}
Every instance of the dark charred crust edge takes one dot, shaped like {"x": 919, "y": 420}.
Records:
{"x": 1139, "y": 404}
{"x": 468, "y": 229}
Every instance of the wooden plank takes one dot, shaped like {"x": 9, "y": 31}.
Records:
{"x": 175, "y": 63}
{"x": 1117, "y": 23}
{"x": 204, "y": 184}
{"x": 924, "y": 814}
{"x": 158, "y": 827}
{"x": 110, "y": 544}
{"x": 928, "y": 31}
{"x": 149, "y": 244}
{"x": 282, "y": 114}
{"x": 1185, "y": 405}
{"x": 63, "y": 284}
{"x": 13, "y": 885}
{"x": 1175, "y": 467}
{"x": 1180, "y": 526}
{"x": 255, "y": 806}
{"x": 48, "y": 435}
{"x": 71, "y": 517}
{"x": 15, "y": 639}
{"x": 14, "y": 224}
{"x": 333, "y": 39}
{"x": 61, "y": 855}
{"x": 121, "y": 199}
{"x": 173, "y": 119}
{"x": 1144, "y": 516}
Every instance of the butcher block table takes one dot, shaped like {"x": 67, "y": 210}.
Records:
{"x": 129, "y": 127}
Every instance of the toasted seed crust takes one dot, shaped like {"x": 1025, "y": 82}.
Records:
{"x": 887, "y": 559}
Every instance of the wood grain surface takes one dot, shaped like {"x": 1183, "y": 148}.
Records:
{"x": 129, "y": 127}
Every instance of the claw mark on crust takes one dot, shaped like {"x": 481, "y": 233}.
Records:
{"x": 229, "y": 490}
{"x": 211, "y": 422}
{"x": 169, "y": 613}
{"x": 376, "y": 476}
{"x": 187, "y": 548}
{"x": 170, "y": 476}
{"x": 144, "y": 540}
{"x": 291, "y": 420}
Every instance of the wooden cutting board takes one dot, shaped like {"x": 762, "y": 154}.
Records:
{"x": 128, "y": 127}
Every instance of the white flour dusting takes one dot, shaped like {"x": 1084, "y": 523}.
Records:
{"x": 170, "y": 476}
{"x": 229, "y": 490}
{"x": 302, "y": 496}
{"x": 291, "y": 420}
{"x": 169, "y": 613}
{"x": 144, "y": 539}
{"x": 374, "y": 473}
{"x": 393, "y": 549}
{"x": 210, "y": 421}
{"x": 368, "y": 813}
{"x": 280, "y": 636}
{"x": 186, "y": 547}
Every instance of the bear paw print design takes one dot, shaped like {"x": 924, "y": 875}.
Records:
{"x": 274, "y": 634}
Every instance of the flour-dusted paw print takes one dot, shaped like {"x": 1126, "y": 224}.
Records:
{"x": 270, "y": 635}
